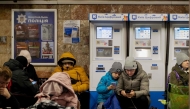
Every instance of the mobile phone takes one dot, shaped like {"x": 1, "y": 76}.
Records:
{"x": 34, "y": 82}
{"x": 113, "y": 84}
{"x": 128, "y": 91}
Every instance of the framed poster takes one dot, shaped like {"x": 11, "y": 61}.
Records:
{"x": 35, "y": 30}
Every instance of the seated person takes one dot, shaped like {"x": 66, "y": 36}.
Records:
{"x": 180, "y": 70}
{"x": 6, "y": 99}
{"x": 133, "y": 86}
{"x": 58, "y": 88}
{"x": 21, "y": 83}
{"x": 179, "y": 80}
{"x": 107, "y": 84}
{"x": 30, "y": 70}
{"x": 79, "y": 78}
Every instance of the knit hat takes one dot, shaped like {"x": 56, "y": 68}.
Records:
{"x": 23, "y": 61}
{"x": 116, "y": 67}
{"x": 26, "y": 54}
{"x": 130, "y": 63}
{"x": 181, "y": 57}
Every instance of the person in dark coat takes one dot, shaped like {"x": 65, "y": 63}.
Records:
{"x": 6, "y": 99}
{"x": 21, "y": 83}
{"x": 181, "y": 70}
{"x": 30, "y": 68}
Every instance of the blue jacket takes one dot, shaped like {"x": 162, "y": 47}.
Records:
{"x": 103, "y": 92}
{"x": 112, "y": 103}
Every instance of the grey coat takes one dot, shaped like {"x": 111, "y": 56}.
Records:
{"x": 139, "y": 82}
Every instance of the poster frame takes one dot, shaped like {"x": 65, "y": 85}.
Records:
{"x": 53, "y": 54}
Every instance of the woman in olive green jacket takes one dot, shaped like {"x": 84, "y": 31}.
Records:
{"x": 180, "y": 72}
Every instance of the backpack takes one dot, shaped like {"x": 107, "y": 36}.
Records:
{"x": 177, "y": 76}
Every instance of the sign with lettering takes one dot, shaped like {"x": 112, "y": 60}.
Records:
{"x": 148, "y": 17}
{"x": 108, "y": 17}
{"x": 179, "y": 17}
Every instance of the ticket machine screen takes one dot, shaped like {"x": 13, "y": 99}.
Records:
{"x": 104, "y": 32}
{"x": 142, "y": 32}
{"x": 181, "y": 33}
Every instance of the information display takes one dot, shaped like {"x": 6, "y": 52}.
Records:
{"x": 142, "y": 33}
{"x": 104, "y": 32}
{"x": 181, "y": 33}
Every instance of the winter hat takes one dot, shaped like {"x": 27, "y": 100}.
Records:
{"x": 116, "y": 67}
{"x": 26, "y": 54}
{"x": 66, "y": 57}
{"x": 130, "y": 63}
{"x": 22, "y": 60}
{"x": 181, "y": 57}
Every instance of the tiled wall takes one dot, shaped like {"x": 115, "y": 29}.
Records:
{"x": 75, "y": 12}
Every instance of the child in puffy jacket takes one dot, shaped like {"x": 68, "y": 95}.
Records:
{"x": 58, "y": 88}
{"x": 107, "y": 84}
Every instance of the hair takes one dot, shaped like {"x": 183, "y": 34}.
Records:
{"x": 5, "y": 72}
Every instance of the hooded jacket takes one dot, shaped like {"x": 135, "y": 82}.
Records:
{"x": 30, "y": 68}
{"x": 138, "y": 82}
{"x": 103, "y": 92}
{"x": 65, "y": 97}
{"x": 75, "y": 72}
{"x": 20, "y": 81}
{"x": 183, "y": 77}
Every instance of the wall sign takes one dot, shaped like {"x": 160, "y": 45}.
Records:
{"x": 35, "y": 30}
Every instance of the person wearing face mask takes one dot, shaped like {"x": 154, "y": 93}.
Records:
{"x": 133, "y": 86}
{"x": 180, "y": 69}
{"x": 6, "y": 99}
{"x": 79, "y": 78}
{"x": 21, "y": 83}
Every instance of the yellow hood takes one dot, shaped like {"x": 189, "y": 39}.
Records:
{"x": 66, "y": 56}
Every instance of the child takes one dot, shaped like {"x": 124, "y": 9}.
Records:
{"x": 58, "y": 88}
{"x": 108, "y": 83}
